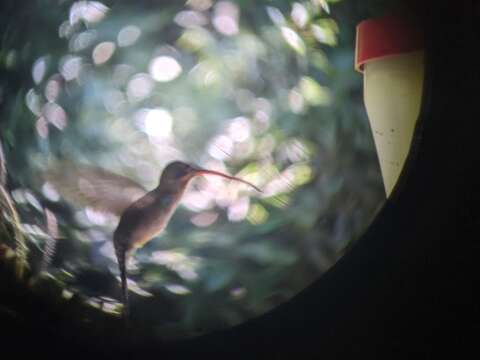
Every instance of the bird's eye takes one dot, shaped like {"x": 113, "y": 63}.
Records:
{"x": 184, "y": 170}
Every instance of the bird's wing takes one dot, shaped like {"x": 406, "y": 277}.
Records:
{"x": 94, "y": 187}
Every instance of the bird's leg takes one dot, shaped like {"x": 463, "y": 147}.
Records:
{"x": 122, "y": 256}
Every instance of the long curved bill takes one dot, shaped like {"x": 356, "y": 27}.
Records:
{"x": 212, "y": 172}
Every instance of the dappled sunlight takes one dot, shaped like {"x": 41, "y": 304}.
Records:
{"x": 55, "y": 115}
{"x": 49, "y": 192}
{"x": 292, "y": 39}
{"x": 134, "y": 287}
{"x": 185, "y": 266}
{"x": 52, "y": 89}
{"x": 239, "y": 129}
{"x": 103, "y": 52}
{"x": 164, "y": 68}
{"x": 177, "y": 289}
{"x": 199, "y": 5}
{"x": 41, "y": 126}
{"x": 96, "y": 217}
{"x": 112, "y": 93}
{"x": 88, "y": 11}
{"x": 238, "y": 209}
{"x": 38, "y": 69}
{"x": 128, "y": 35}
{"x": 83, "y": 40}
{"x": 156, "y": 123}
{"x": 196, "y": 201}
{"x": 70, "y": 67}
{"x": 221, "y": 147}
{"x": 299, "y": 15}
{"x": 25, "y": 196}
{"x": 33, "y": 102}
{"x": 139, "y": 87}
{"x": 190, "y": 19}
{"x": 225, "y": 18}
{"x": 204, "y": 219}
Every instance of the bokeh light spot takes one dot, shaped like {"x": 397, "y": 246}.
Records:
{"x": 103, "y": 52}
{"x": 164, "y": 68}
{"x": 220, "y": 147}
{"x": 55, "y": 115}
{"x": 204, "y": 219}
{"x": 190, "y": 19}
{"x": 128, "y": 35}
{"x": 239, "y": 209}
{"x": 50, "y": 192}
{"x": 225, "y": 19}
{"x": 239, "y": 129}
{"x": 34, "y": 102}
{"x": 52, "y": 90}
{"x": 139, "y": 87}
{"x": 41, "y": 125}
{"x": 313, "y": 92}
{"x": 292, "y": 39}
{"x": 156, "y": 123}
{"x": 299, "y": 15}
{"x": 177, "y": 289}
{"x": 82, "y": 40}
{"x": 88, "y": 11}
{"x": 200, "y": 5}
{"x": 38, "y": 70}
{"x": 257, "y": 214}
{"x": 295, "y": 101}
{"x": 275, "y": 15}
{"x": 70, "y": 67}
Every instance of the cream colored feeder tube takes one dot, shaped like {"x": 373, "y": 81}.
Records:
{"x": 392, "y": 95}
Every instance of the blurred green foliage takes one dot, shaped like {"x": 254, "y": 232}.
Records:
{"x": 265, "y": 89}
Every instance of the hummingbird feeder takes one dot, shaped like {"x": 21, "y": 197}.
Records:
{"x": 389, "y": 53}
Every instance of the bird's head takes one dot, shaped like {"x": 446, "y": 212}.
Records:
{"x": 177, "y": 174}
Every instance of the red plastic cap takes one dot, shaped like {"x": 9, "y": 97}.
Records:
{"x": 385, "y": 36}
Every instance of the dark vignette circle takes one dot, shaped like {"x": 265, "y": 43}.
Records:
{"x": 404, "y": 287}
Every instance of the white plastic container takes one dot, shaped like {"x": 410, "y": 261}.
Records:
{"x": 390, "y": 56}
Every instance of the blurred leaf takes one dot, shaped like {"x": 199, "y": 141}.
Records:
{"x": 294, "y": 40}
{"x": 279, "y": 200}
{"x": 324, "y": 35}
{"x": 328, "y": 24}
{"x": 323, "y": 4}
{"x": 319, "y": 60}
{"x": 195, "y": 40}
{"x": 313, "y": 92}
{"x": 257, "y": 214}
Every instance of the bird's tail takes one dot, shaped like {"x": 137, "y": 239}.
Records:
{"x": 122, "y": 264}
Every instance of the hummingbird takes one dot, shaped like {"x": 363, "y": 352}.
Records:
{"x": 143, "y": 214}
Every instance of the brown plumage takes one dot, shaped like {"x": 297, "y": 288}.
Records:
{"x": 143, "y": 215}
